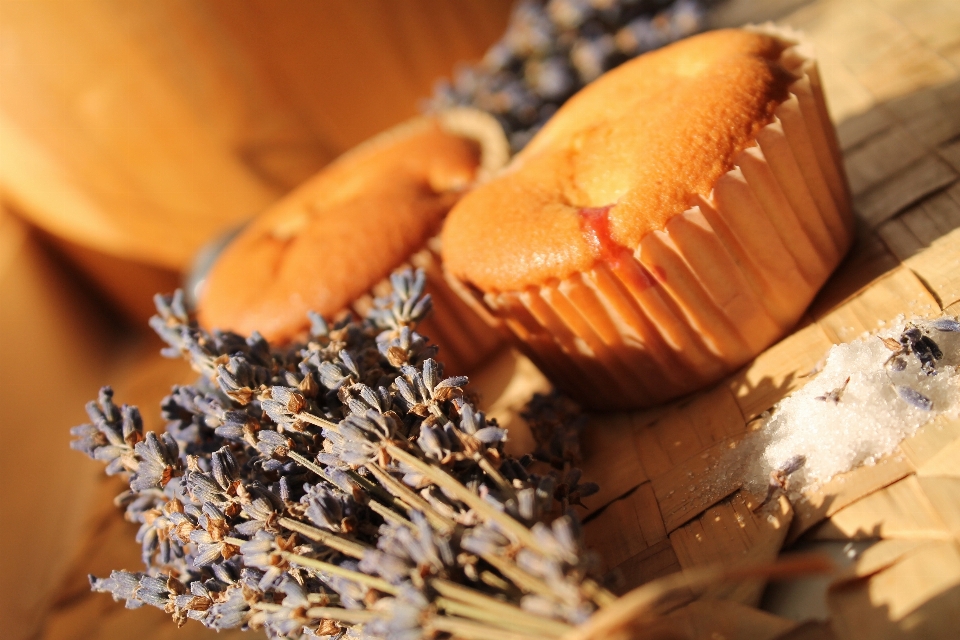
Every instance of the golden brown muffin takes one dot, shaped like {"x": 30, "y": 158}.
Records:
{"x": 329, "y": 243}
{"x": 670, "y": 222}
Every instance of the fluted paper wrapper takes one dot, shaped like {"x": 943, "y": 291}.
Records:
{"x": 466, "y": 333}
{"x": 720, "y": 283}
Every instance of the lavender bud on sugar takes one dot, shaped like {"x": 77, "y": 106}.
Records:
{"x": 945, "y": 325}
{"x": 915, "y": 398}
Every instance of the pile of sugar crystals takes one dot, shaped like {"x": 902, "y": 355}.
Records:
{"x": 870, "y": 395}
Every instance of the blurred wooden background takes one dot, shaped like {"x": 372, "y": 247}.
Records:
{"x": 133, "y": 132}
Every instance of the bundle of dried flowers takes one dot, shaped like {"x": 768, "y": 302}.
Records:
{"x": 343, "y": 488}
{"x": 553, "y": 49}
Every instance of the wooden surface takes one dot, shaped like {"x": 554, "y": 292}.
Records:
{"x": 892, "y": 71}
{"x": 164, "y": 123}
{"x": 142, "y": 130}
{"x": 55, "y": 352}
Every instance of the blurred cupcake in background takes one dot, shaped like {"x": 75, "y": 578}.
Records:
{"x": 330, "y": 245}
{"x": 670, "y": 222}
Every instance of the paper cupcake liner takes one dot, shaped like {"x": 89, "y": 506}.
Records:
{"x": 465, "y": 335}
{"x": 719, "y": 284}
{"x": 465, "y": 332}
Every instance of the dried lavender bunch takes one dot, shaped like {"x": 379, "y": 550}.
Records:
{"x": 552, "y": 50}
{"x": 341, "y": 487}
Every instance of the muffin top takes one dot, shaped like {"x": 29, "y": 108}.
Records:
{"x": 617, "y": 161}
{"x": 329, "y": 241}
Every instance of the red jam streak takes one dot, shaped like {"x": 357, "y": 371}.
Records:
{"x": 595, "y": 225}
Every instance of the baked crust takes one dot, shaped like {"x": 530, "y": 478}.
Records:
{"x": 336, "y": 236}
{"x": 632, "y": 276}
{"x": 640, "y": 144}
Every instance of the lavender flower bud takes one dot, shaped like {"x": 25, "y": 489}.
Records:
{"x": 331, "y": 376}
{"x": 229, "y": 613}
{"x": 159, "y": 462}
{"x": 323, "y": 508}
{"x": 122, "y": 585}
{"x": 945, "y": 324}
{"x": 159, "y": 591}
{"x": 202, "y": 488}
{"x": 224, "y": 467}
{"x": 491, "y": 435}
{"x": 406, "y": 391}
{"x": 318, "y": 326}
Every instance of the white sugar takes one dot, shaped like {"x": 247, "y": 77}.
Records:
{"x": 858, "y": 408}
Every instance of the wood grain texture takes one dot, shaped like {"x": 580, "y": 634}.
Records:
{"x": 626, "y": 527}
{"x": 55, "y": 353}
{"x": 917, "y": 597}
{"x": 900, "y": 510}
{"x": 144, "y": 129}
{"x": 734, "y": 532}
{"x": 899, "y": 292}
{"x": 939, "y": 268}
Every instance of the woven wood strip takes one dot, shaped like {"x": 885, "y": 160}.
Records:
{"x": 901, "y": 510}
{"x": 608, "y": 454}
{"x": 779, "y": 370}
{"x": 939, "y": 268}
{"x": 627, "y": 527}
{"x": 654, "y": 562}
{"x": 882, "y": 156}
{"x": 730, "y": 532}
{"x": 951, "y": 153}
{"x": 930, "y": 441}
{"x": 845, "y": 489}
{"x": 859, "y": 129}
{"x": 869, "y": 259}
{"x": 936, "y": 217}
{"x": 898, "y": 293}
{"x": 809, "y": 630}
{"x": 927, "y": 175}
{"x": 719, "y": 619}
{"x": 883, "y": 555}
{"x": 687, "y": 431}
{"x": 920, "y": 226}
{"x": 944, "y": 496}
{"x": 945, "y": 463}
{"x": 929, "y": 115}
{"x": 696, "y": 484}
{"x": 919, "y": 594}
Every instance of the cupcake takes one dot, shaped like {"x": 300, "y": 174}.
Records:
{"x": 331, "y": 244}
{"x": 670, "y": 222}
